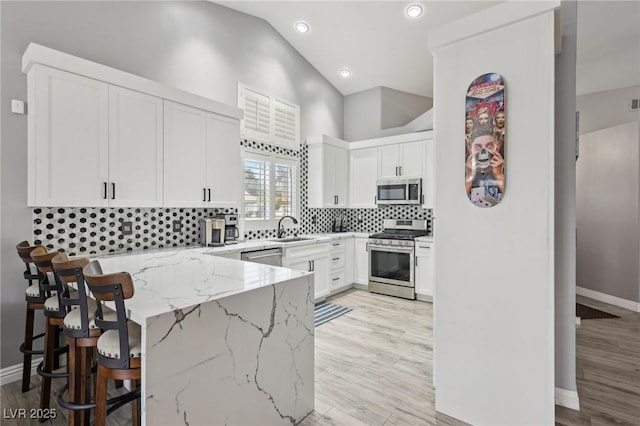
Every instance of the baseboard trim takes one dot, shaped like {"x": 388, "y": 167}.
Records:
{"x": 606, "y": 298}
{"x": 361, "y": 286}
{"x": 13, "y": 373}
{"x": 568, "y": 399}
{"x": 424, "y": 297}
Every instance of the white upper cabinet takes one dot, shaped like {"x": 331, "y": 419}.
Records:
{"x": 135, "y": 148}
{"x": 202, "y": 165}
{"x": 100, "y": 137}
{"x": 327, "y": 176}
{"x": 223, "y": 165}
{"x": 185, "y": 155}
{"x": 401, "y": 160}
{"x": 362, "y": 177}
{"x": 269, "y": 119}
{"x": 68, "y": 139}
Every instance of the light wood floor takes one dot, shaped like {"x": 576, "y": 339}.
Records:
{"x": 373, "y": 367}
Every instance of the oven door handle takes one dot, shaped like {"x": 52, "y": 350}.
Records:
{"x": 393, "y": 249}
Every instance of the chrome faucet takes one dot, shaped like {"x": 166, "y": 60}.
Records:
{"x": 281, "y": 228}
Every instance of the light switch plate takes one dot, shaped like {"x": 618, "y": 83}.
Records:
{"x": 17, "y": 106}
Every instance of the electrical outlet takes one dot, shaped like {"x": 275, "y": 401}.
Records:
{"x": 177, "y": 226}
{"x": 127, "y": 228}
{"x": 360, "y": 220}
{"x": 314, "y": 219}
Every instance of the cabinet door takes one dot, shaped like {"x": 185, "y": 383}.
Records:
{"x": 224, "y": 165}
{"x": 388, "y": 162}
{"x": 341, "y": 175}
{"x": 424, "y": 270}
{"x": 362, "y": 261}
{"x": 428, "y": 175}
{"x": 411, "y": 154}
{"x": 349, "y": 260}
{"x": 68, "y": 139}
{"x": 329, "y": 175}
{"x": 184, "y": 156}
{"x": 135, "y": 148}
{"x": 363, "y": 175}
{"x": 320, "y": 266}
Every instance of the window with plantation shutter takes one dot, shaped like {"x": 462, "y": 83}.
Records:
{"x": 269, "y": 119}
{"x": 270, "y": 189}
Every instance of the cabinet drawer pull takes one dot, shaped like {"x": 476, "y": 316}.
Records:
{"x": 113, "y": 191}
{"x": 425, "y": 247}
{"x": 335, "y": 244}
{"x": 105, "y": 190}
{"x": 204, "y": 194}
{"x": 335, "y": 279}
{"x": 336, "y": 258}
{"x": 209, "y": 191}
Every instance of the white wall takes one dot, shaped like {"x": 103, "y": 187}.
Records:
{"x": 565, "y": 204}
{"x": 380, "y": 112}
{"x": 195, "y": 46}
{"x": 494, "y": 312}
{"x": 608, "y": 186}
{"x": 601, "y": 110}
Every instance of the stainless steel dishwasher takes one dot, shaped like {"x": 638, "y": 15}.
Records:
{"x": 266, "y": 257}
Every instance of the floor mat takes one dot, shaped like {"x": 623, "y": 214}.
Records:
{"x": 587, "y": 312}
{"x": 326, "y": 311}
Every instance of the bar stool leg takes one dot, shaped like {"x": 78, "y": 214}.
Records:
{"x": 135, "y": 406}
{"x": 101, "y": 397}
{"x": 49, "y": 346}
{"x": 85, "y": 387}
{"x": 28, "y": 346}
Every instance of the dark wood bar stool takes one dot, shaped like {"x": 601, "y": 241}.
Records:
{"x": 119, "y": 346}
{"x": 35, "y": 302}
{"x": 54, "y": 315}
{"x": 81, "y": 335}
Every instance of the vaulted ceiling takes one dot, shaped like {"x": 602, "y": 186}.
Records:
{"x": 383, "y": 47}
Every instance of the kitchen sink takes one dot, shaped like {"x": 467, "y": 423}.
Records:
{"x": 291, "y": 239}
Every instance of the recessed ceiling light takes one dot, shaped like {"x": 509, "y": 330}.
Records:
{"x": 344, "y": 72}
{"x": 301, "y": 27}
{"x": 414, "y": 11}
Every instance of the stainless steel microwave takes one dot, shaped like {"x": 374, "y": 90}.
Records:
{"x": 399, "y": 191}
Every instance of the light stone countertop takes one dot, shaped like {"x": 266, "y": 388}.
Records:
{"x": 175, "y": 278}
{"x": 172, "y": 279}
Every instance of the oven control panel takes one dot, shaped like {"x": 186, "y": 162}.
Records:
{"x": 391, "y": 242}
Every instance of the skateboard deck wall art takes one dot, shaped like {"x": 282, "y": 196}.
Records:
{"x": 485, "y": 125}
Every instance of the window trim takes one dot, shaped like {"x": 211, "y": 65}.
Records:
{"x": 272, "y": 222}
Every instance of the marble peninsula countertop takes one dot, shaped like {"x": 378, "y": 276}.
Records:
{"x": 172, "y": 279}
{"x": 169, "y": 279}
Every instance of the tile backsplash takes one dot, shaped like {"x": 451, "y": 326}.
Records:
{"x": 91, "y": 231}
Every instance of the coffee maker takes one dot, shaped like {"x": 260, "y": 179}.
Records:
{"x": 231, "y": 233}
{"x": 212, "y": 232}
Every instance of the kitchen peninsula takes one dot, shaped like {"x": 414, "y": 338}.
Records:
{"x": 223, "y": 341}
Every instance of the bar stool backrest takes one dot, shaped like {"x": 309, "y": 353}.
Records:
{"x": 42, "y": 260}
{"x": 116, "y": 288}
{"x": 24, "y": 252}
{"x": 70, "y": 271}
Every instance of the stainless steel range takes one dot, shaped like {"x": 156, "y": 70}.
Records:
{"x": 392, "y": 257}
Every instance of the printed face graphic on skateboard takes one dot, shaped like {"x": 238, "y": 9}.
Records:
{"x": 485, "y": 128}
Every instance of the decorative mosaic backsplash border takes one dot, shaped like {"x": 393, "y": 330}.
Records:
{"x": 93, "y": 231}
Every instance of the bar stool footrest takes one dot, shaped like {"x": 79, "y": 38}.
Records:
{"x": 32, "y": 351}
{"x": 49, "y": 375}
{"x": 115, "y": 402}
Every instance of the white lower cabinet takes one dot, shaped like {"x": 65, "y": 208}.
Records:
{"x": 310, "y": 258}
{"x": 424, "y": 272}
{"x": 341, "y": 265}
{"x": 361, "y": 253}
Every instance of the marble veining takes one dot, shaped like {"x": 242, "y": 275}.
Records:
{"x": 224, "y": 341}
{"x": 168, "y": 280}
